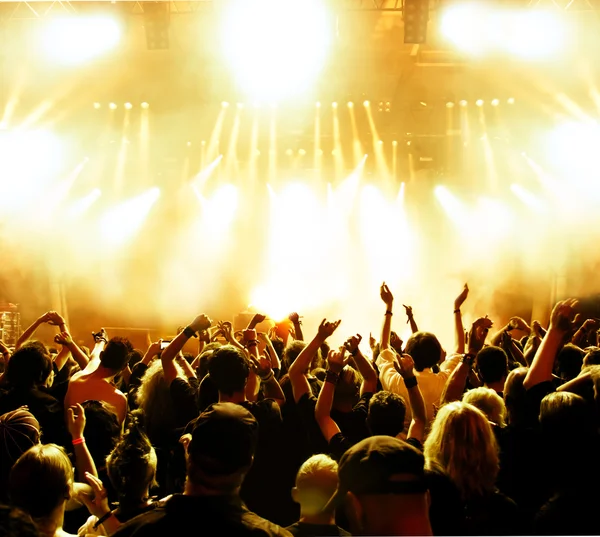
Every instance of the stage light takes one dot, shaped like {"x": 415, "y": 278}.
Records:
{"x": 350, "y": 104}
{"x": 449, "y": 105}
{"x": 511, "y": 100}
{"x": 128, "y": 106}
{"x": 220, "y": 209}
{"x": 302, "y": 34}
{"x": 415, "y": 14}
{"x": 366, "y": 103}
{"x": 527, "y": 198}
{"x": 495, "y": 102}
{"x": 73, "y": 40}
{"x": 318, "y": 104}
{"x": 289, "y": 153}
{"x": 479, "y": 102}
{"x": 301, "y": 152}
{"x": 81, "y": 206}
{"x": 463, "y": 103}
{"x": 112, "y": 106}
{"x": 334, "y": 104}
{"x": 463, "y": 26}
{"x": 145, "y": 105}
{"x": 224, "y": 104}
{"x": 240, "y": 105}
{"x": 394, "y": 143}
{"x": 120, "y": 224}
{"x": 97, "y": 106}
{"x": 536, "y": 33}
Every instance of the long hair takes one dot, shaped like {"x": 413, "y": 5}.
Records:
{"x": 463, "y": 444}
{"x": 489, "y": 402}
{"x": 154, "y": 398}
{"x": 132, "y": 464}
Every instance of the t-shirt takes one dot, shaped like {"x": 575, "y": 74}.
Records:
{"x": 302, "y": 529}
{"x": 182, "y": 515}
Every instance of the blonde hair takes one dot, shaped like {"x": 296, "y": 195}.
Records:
{"x": 463, "y": 444}
{"x": 316, "y": 482}
{"x": 489, "y": 402}
{"x": 154, "y": 398}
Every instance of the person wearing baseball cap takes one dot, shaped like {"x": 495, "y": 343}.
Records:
{"x": 219, "y": 452}
{"x": 383, "y": 488}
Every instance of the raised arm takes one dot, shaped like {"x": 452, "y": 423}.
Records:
{"x": 226, "y": 329}
{"x": 187, "y": 368}
{"x": 66, "y": 340}
{"x": 84, "y": 463}
{"x": 580, "y": 338}
{"x": 365, "y": 368}
{"x": 30, "y": 330}
{"x": 100, "y": 341}
{"x": 459, "y": 331}
{"x": 256, "y": 320}
{"x": 167, "y": 356}
{"x": 335, "y": 364}
{"x": 295, "y": 318}
{"x": 411, "y": 319}
{"x": 543, "y": 362}
{"x": 406, "y": 367}
{"x": 516, "y": 323}
{"x": 388, "y": 300}
{"x": 270, "y": 350}
{"x": 298, "y": 370}
{"x": 261, "y": 366}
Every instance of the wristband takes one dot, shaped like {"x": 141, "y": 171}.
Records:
{"x": 252, "y": 343}
{"x": 468, "y": 359}
{"x": 332, "y": 376}
{"x": 354, "y": 352}
{"x": 457, "y": 311}
{"x": 102, "y": 519}
{"x": 189, "y": 332}
{"x": 268, "y": 377}
{"x": 77, "y": 441}
{"x": 388, "y": 312}
{"x": 411, "y": 382}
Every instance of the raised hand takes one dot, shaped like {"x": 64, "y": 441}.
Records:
{"x": 405, "y": 365}
{"x": 372, "y": 341}
{"x": 408, "y": 310}
{"x": 326, "y": 328}
{"x": 563, "y": 314}
{"x": 76, "y": 421}
{"x": 386, "y": 295}
{"x": 100, "y": 336}
{"x": 249, "y": 334}
{"x": 336, "y": 360}
{"x": 589, "y": 324}
{"x": 516, "y": 323}
{"x": 97, "y": 505}
{"x": 154, "y": 348}
{"x": 294, "y": 317}
{"x": 200, "y": 323}
{"x": 261, "y": 365}
{"x": 460, "y": 299}
{"x": 64, "y": 339}
{"x": 478, "y": 334}
{"x": 54, "y": 318}
{"x": 352, "y": 343}
{"x": 257, "y": 319}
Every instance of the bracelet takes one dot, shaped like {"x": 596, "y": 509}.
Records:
{"x": 411, "y": 382}
{"x": 332, "y": 376}
{"x": 468, "y": 359}
{"x": 354, "y": 352}
{"x": 102, "y": 519}
{"x": 457, "y": 311}
{"x": 77, "y": 441}
{"x": 388, "y": 312}
{"x": 252, "y": 343}
{"x": 268, "y": 377}
{"x": 189, "y": 332}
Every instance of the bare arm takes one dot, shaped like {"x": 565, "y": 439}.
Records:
{"x": 543, "y": 362}
{"x": 459, "y": 331}
{"x": 388, "y": 300}
{"x": 83, "y": 459}
{"x": 187, "y": 368}
{"x": 365, "y": 368}
{"x": 61, "y": 358}
{"x": 66, "y": 340}
{"x": 297, "y": 371}
{"x": 295, "y": 318}
{"x": 411, "y": 319}
{"x": 336, "y": 362}
{"x": 30, "y": 330}
{"x": 405, "y": 366}
{"x": 167, "y": 356}
{"x": 101, "y": 339}
{"x": 262, "y": 367}
{"x": 270, "y": 350}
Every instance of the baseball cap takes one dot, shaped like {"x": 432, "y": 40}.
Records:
{"x": 223, "y": 439}
{"x": 19, "y": 430}
{"x": 380, "y": 465}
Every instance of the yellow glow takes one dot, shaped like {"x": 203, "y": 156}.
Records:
{"x": 527, "y": 198}
{"x": 276, "y": 48}
{"x": 128, "y": 106}
{"x": 220, "y": 210}
{"x": 145, "y": 105}
{"x": 121, "y": 223}
{"x": 74, "y": 40}
{"x": 82, "y": 205}
{"x": 112, "y": 106}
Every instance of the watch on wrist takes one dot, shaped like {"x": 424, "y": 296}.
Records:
{"x": 189, "y": 332}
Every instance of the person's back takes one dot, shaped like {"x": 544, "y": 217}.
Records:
{"x": 96, "y": 380}
{"x": 219, "y": 453}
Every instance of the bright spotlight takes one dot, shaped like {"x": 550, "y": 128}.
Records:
{"x": 224, "y": 104}
{"x": 463, "y": 103}
{"x": 479, "y": 102}
{"x": 73, "y": 40}
{"x": 97, "y": 106}
{"x": 145, "y": 105}
{"x": 120, "y": 224}
{"x": 82, "y": 205}
{"x": 394, "y": 143}
{"x": 449, "y": 105}
{"x": 350, "y": 104}
{"x": 495, "y": 102}
{"x": 318, "y": 104}
{"x": 128, "y": 106}
{"x": 366, "y": 103}
{"x": 112, "y": 106}
{"x": 536, "y": 34}
{"x": 334, "y": 104}
{"x": 527, "y": 198}
{"x": 511, "y": 100}
{"x": 220, "y": 209}
{"x": 240, "y": 105}
{"x": 302, "y": 34}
